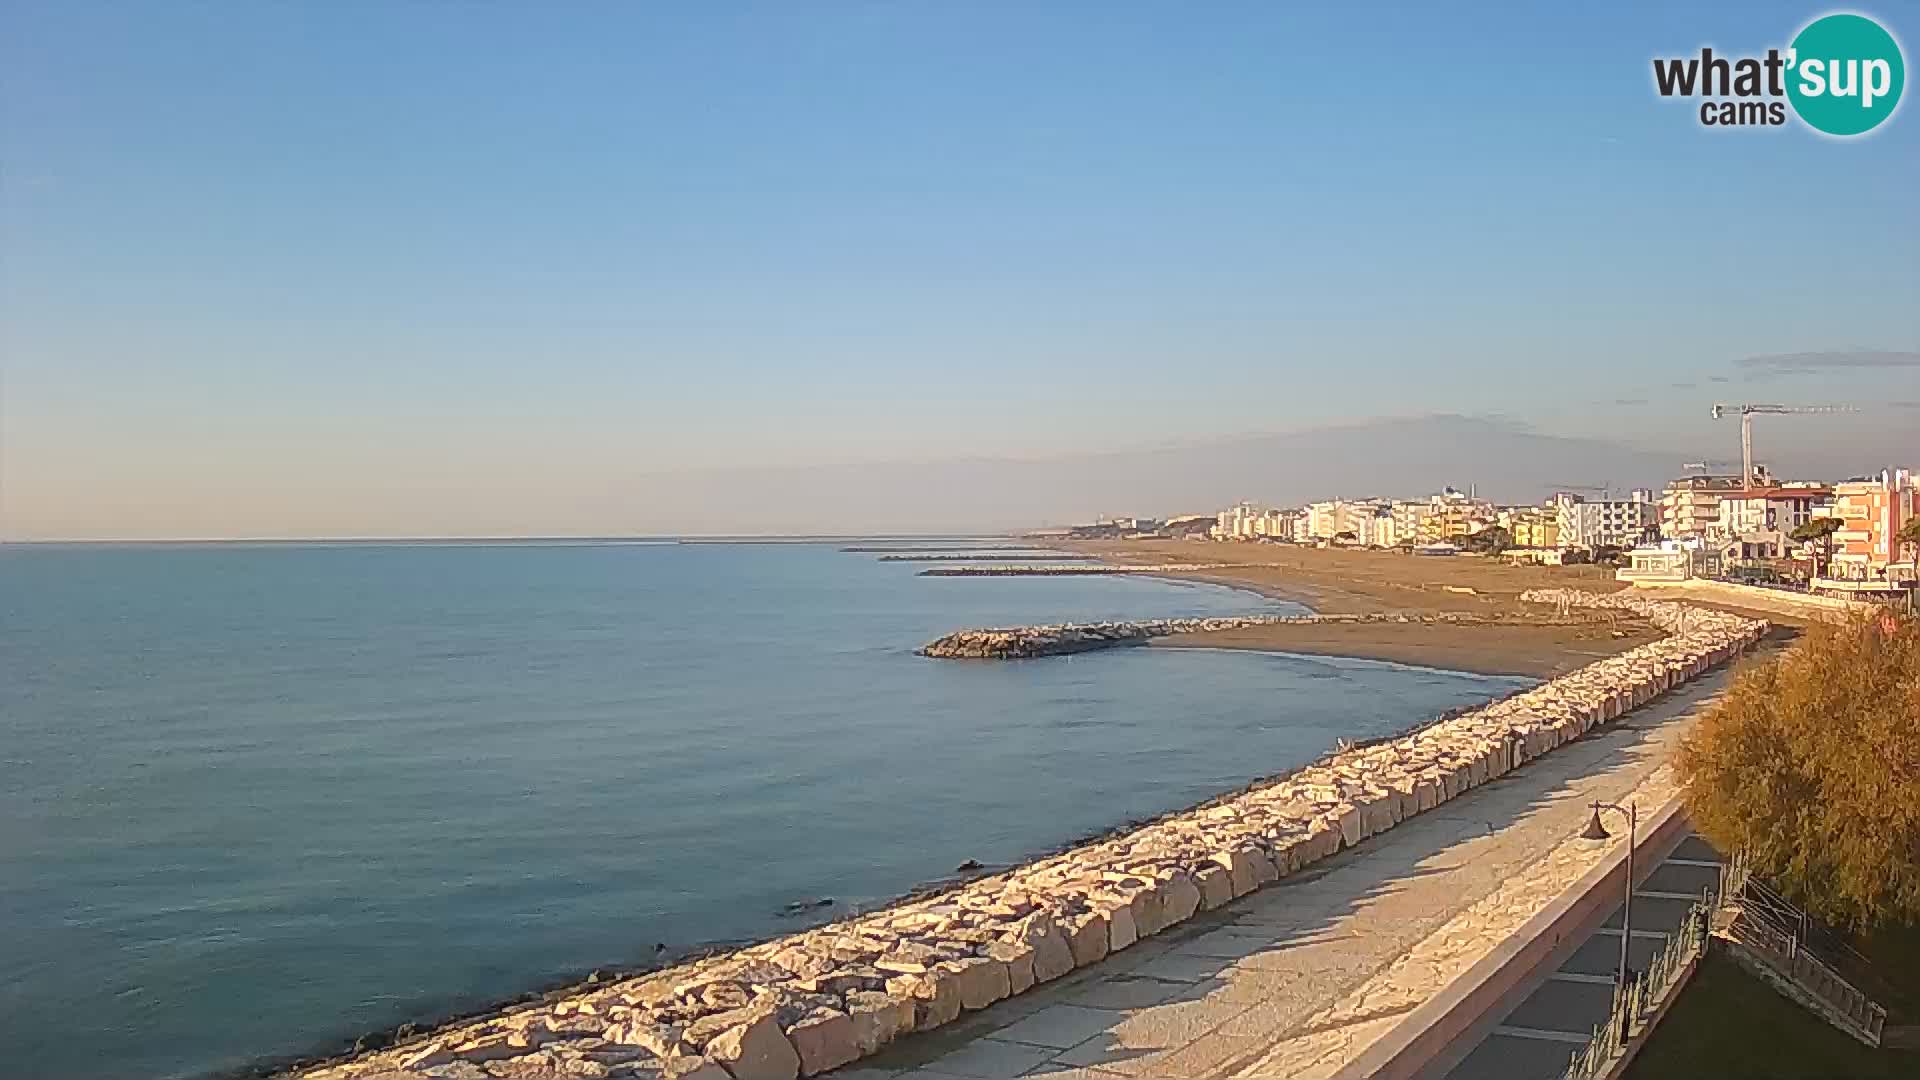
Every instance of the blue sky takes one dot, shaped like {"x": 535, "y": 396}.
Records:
{"x": 361, "y": 267}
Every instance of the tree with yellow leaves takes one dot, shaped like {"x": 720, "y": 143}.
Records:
{"x": 1810, "y": 763}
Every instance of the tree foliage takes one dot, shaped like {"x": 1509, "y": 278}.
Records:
{"x": 1816, "y": 529}
{"x": 1492, "y": 539}
{"x": 1909, "y": 535}
{"x": 1819, "y": 530}
{"x": 1810, "y": 763}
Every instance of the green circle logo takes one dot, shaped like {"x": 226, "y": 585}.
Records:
{"x": 1845, "y": 74}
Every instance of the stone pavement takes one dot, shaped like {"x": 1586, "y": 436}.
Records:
{"x": 1294, "y": 980}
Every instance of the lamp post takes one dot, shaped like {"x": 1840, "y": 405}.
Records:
{"x": 1597, "y": 831}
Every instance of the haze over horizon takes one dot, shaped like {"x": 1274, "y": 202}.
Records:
{"x": 371, "y": 270}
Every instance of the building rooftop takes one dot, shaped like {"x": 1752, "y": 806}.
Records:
{"x": 1706, "y": 483}
{"x": 1779, "y": 491}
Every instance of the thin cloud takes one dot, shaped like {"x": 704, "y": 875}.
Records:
{"x": 1718, "y": 379}
{"x": 1905, "y": 404}
{"x": 1803, "y": 363}
{"x": 1626, "y": 401}
{"x": 1683, "y": 385}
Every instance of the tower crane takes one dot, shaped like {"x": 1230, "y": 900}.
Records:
{"x": 1603, "y": 489}
{"x": 1746, "y": 427}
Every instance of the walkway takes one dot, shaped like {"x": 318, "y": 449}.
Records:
{"x": 1535, "y": 1039}
{"x": 1296, "y": 979}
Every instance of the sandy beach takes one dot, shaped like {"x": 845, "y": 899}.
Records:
{"x": 1333, "y": 581}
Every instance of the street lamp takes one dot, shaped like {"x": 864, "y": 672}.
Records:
{"x": 1595, "y": 830}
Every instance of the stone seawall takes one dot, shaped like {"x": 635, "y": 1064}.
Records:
{"x": 813, "y": 1001}
{"x": 1060, "y": 639}
{"x": 1797, "y": 605}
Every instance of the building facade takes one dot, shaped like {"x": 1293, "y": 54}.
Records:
{"x": 1534, "y": 527}
{"x": 1771, "y": 509}
{"x": 1668, "y": 560}
{"x": 1872, "y": 511}
{"x": 1690, "y": 506}
{"x": 1585, "y": 523}
{"x": 1323, "y": 520}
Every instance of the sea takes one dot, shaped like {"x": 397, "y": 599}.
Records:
{"x": 256, "y": 800}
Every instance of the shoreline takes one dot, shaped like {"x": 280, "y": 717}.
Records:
{"x": 1366, "y": 661}
{"x": 540, "y": 991}
{"x": 563, "y": 985}
{"x": 1333, "y": 582}
{"x": 1505, "y": 650}
{"x": 290, "y": 1066}
{"x": 811, "y": 1001}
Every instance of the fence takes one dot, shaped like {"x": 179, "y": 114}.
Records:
{"x": 1634, "y": 1003}
{"x": 1776, "y": 933}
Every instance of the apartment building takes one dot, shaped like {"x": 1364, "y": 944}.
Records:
{"x": 1248, "y": 522}
{"x": 1379, "y": 528}
{"x": 1275, "y": 524}
{"x": 1323, "y": 519}
{"x": 1872, "y": 511}
{"x": 1326, "y": 520}
{"x": 1406, "y": 520}
{"x": 1534, "y": 527}
{"x": 1585, "y": 523}
{"x": 1452, "y": 516}
{"x": 1767, "y": 509}
{"x": 1690, "y": 506}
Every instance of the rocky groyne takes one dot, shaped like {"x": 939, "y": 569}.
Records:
{"x": 1061, "y": 639}
{"x": 969, "y": 545}
{"x": 813, "y": 1001}
{"x": 989, "y": 557}
{"x": 1029, "y": 569}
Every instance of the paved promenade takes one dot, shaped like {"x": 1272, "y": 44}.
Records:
{"x": 1296, "y": 979}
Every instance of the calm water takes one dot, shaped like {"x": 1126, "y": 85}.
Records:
{"x": 254, "y": 800}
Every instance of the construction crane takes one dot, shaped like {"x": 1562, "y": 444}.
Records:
{"x": 1603, "y": 489}
{"x": 1708, "y": 465}
{"x": 1746, "y": 427}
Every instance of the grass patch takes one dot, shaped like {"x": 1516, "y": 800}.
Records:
{"x": 1728, "y": 1023}
{"x": 1894, "y": 953}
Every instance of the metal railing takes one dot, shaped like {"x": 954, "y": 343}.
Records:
{"x": 1777, "y": 931}
{"x": 1634, "y": 1002}
{"x": 1774, "y": 930}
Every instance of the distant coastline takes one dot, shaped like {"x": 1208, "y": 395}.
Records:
{"x": 504, "y": 541}
{"x": 1335, "y": 582}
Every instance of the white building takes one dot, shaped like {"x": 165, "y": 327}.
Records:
{"x": 1248, "y": 522}
{"x": 1769, "y": 509}
{"x": 1585, "y": 523}
{"x": 1668, "y": 560}
{"x": 1406, "y": 520}
{"x": 1274, "y": 524}
{"x": 1690, "y": 506}
{"x": 1323, "y": 519}
{"x": 1386, "y": 530}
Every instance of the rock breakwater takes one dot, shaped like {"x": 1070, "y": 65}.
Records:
{"x": 989, "y": 557}
{"x": 1061, "y": 639}
{"x": 810, "y": 1002}
{"x": 985, "y": 544}
{"x": 1040, "y": 570}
